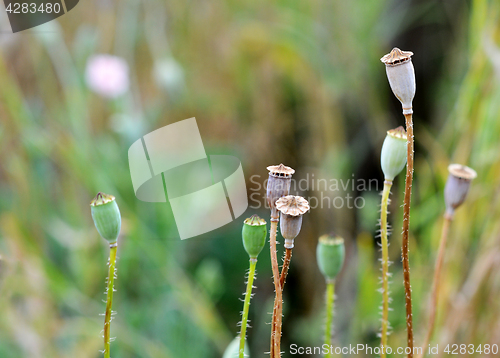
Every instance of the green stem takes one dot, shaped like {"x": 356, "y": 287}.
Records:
{"x": 385, "y": 266}
{"x": 330, "y": 297}
{"x": 109, "y": 300}
{"x": 246, "y": 306}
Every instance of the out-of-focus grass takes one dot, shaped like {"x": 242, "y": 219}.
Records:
{"x": 294, "y": 82}
{"x": 470, "y": 134}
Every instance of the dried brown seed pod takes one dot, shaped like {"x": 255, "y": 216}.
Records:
{"x": 457, "y": 186}
{"x": 401, "y": 76}
{"x": 278, "y": 185}
{"x": 292, "y": 208}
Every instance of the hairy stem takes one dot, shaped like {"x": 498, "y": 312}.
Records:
{"x": 278, "y": 300}
{"x": 435, "y": 283}
{"x": 330, "y": 297}
{"x": 109, "y": 300}
{"x": 405, "y": 239}
{"x": 284, "y": 272}
{"x": 246, "y": 306}
{"x": 385, "y": 266}
{"x": 273, "y": 329}
{"x": 278, "y": 311}
{"x": 284, "y": 269}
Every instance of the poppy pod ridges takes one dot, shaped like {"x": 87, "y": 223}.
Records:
{"x": 278, "y": 185}
{"x": 254, "y": 235}
{"x": 291, "y": 208}
{"x": 106, "y": 216}
{"x": 457, "y": 186}
{"x": 393, "y": 156}
{"x": 401, "y": 76}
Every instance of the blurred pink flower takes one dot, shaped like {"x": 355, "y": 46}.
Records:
{"x": 107, "y": 75}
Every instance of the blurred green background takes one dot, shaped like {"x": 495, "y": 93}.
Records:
{"x": 298, "y": 82}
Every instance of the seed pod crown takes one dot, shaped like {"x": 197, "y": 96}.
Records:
{"x": 292, "y": 205}
{"x": 396, "y": 57}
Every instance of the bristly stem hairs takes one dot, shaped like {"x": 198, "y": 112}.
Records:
{"x": 392, "y": 161}
{"x": 278, "y": 185}
{"x": 254, "y": 235}
{"x": 107, "y": 220}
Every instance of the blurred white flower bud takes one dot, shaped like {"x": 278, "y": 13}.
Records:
{"x": 233, "y": 349}
{"x": 107, "y": 75}
{"x": 168, "y": 75}
{"x": 401, "y": 76}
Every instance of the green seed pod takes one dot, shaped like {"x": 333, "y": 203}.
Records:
{"x": 106, "y": 216}
{"x": 254, "y": 235}
{"x": 393, "y": 156}
{"x": 330, "y": 255}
